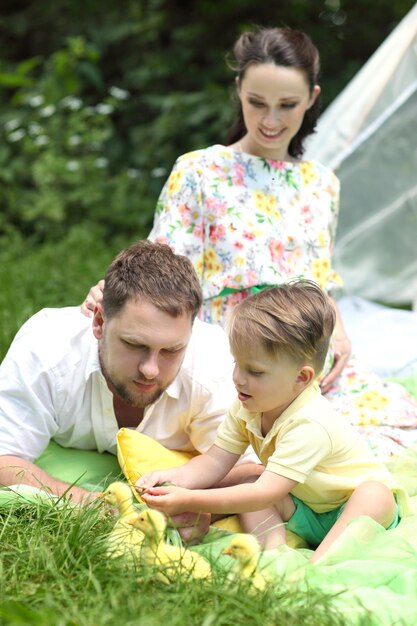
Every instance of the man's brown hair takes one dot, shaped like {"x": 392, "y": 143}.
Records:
{"x": 152, "y": 272}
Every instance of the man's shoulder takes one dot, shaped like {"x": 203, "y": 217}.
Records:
{"x": 208, "y": 356}
{"x": 54, "y": 333}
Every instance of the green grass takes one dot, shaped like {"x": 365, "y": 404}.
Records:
{"x": 55, "y": 572}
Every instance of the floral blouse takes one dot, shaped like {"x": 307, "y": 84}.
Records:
{"x": 246, "y": 221}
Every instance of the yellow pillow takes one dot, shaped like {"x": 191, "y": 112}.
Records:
{"x": 138, "y": 454}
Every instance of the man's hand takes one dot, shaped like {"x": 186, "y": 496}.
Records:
{"x": 192, "y": 526}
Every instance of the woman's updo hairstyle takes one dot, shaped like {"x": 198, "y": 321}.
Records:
{"x": 285, "y": 47}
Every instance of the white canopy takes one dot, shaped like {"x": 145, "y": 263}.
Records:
{"x": 368, "y": 135}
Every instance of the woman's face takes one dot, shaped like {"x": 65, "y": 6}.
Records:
{"x": 274, "y": 100}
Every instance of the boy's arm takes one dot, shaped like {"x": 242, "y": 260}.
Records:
{"x": 200, "y": 472}
{"x": 267, "y": 490}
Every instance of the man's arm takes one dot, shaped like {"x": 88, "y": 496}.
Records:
{"x": 17, "y": 471}
{"x": 267, "y": 490}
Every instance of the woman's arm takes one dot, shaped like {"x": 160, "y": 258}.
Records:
{"x": 179, "y": 215}
{"x": 268, "y": 489}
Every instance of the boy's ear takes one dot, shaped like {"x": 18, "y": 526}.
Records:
{"x": 305, "y": 375}
{"x": 98, "y": 321}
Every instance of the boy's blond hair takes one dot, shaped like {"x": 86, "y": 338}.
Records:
{"x": 296, "y": 318}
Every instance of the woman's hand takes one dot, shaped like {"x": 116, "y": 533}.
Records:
{"x": 94, "y": 297}
{"x": 341, "y": 350}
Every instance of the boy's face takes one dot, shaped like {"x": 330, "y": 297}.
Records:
{"x": 266, "y": 383}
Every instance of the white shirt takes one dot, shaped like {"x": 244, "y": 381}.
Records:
{"x": 51, "y": 387}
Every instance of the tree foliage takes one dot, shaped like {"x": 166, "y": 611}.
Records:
{"x": 100, "y": 97}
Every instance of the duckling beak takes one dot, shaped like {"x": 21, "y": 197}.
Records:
{"x": 227, "y": 550}
{"x": 101, "y": 494}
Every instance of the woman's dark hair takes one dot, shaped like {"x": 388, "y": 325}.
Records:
{"x": 285, "y": 47}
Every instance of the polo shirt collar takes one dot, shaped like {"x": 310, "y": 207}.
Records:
{"x": 253, "y": 420}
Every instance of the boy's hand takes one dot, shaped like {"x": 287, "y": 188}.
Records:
{"x": 169, "y": 500}
{"x": 158, "y": 477}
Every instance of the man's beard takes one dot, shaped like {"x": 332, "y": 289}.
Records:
{"x": 137, "y": 400}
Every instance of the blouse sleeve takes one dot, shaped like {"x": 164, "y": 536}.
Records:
{"x": 334, "y": 190}
{"x": 179, "y": 216}
{"x": 335, "y": 281}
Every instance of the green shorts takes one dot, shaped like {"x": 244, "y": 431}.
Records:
{"x": 313, "y": 527}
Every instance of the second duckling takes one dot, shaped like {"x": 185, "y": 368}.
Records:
{"x": 123, "y": 540}
{"x": 245, "y": 549}
{"x": 172, "y": 560}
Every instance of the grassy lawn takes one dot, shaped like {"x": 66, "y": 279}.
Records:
{"x": 55, "y": 572}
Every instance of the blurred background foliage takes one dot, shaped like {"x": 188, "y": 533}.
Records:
{"x": 98, "y": 98}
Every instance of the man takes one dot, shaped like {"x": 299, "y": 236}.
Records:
{"x": 142, "y": 362}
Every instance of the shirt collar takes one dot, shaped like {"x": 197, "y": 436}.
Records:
{"x": 174, "y": 389}
{"x": 93, "y": 361}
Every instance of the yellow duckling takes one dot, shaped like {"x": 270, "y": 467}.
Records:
{"x": 245, "y": 549}
{"x": 155, "y": 551}
{"x": 124, "y": 540}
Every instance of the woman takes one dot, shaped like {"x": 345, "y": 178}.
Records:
{"x": 253, "y": 213}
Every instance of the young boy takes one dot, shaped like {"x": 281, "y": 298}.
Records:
{"x": 319, "y": 474}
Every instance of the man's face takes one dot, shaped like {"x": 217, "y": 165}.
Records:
{"x": 141, "y": 350}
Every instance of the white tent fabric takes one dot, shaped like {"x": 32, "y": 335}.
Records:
{"x": 368, "y": 135}
{"x": 383, "y": 338}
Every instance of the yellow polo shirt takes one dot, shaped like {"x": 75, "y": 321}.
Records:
{"x": 313, "y": 445}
